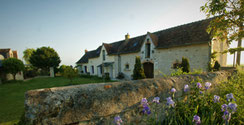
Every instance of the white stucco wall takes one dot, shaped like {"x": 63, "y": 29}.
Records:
{"x": 219, "y": 46}
{"x": 128, "y": 59}
{"x": 143, "y": 50}
{"x": 198, "y": 56}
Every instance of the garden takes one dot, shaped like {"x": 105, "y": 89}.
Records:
{"x": 200, "y": 103}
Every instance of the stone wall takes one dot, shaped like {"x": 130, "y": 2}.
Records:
{"x": 130, "y": 60}
{"x": 198, "y": 56}
{"x": 99, "y": 103}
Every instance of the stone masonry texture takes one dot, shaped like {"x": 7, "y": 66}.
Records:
{"x": 92, "y": 104}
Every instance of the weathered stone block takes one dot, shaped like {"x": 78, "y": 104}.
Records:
{"x": 98, "y": 103}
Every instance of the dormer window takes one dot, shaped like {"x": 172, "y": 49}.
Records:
{"x": 148, "y": 50}
{"x": 103, "y": 55}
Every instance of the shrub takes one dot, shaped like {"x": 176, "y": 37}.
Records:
{"x": 120, "y": 76}
{"x": 185, "y": 65}
{"x": 107, "y": 78}
{"x": 177, "y": 72}
{"x": 216, "y": 66}
{"x": 13, "y": 66}
{"x": 69, "y": 73}
{"x": 30, "y": 72}
{"x": 138, "y": 72}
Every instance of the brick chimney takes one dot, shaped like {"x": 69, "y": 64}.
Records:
{"x": 86, "y": 50}
{"x": 127, "y": 37}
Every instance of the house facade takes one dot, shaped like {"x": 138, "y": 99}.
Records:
{"x": 159, "y": 51}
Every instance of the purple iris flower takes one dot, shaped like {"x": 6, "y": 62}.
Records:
{"x": 156, "y": 100}
{"x": 170, "y": 102}
{"x": 230, "y": 97}
{"x": 144, "y": 102}
{"x": 196, "y": 119}
{"x": 117, "y": 120}
{"x": 216, "y": 98}
{"x": 173, "y": 90}
{"x": 207, "y": 85}
{"x": 147, "y": 110}
{"x": 224, "y": 107}
{"x": 232, "y": 106}
{"x": 199, "y": 85}
{"x": 226, "y": 116}
{"x": 186, "y": 88}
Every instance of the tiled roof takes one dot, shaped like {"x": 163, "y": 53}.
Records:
{"x": 4, "y": 52}
{"x": 187, "y": 34}
{"x": 90, "y": 54}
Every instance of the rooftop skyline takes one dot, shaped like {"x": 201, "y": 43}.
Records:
{"x": 72, "y": 26}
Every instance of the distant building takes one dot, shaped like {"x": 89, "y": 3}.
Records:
{"x": 8, "y": 53}
{"x": 160, "y": 52}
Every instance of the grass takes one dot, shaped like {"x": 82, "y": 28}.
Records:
{"x": 12, "y": 94}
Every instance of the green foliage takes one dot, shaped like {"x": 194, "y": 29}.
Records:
{"x": 200, "y": 101}
{"x": 214, "y": 55}
{"x": 61, "y": 68}
{"x": 210, "y": 67}
{"x": 185, "y": 65}
{"x": 69, "y": 72}
{"x": 30, "y": 72}
{"x": 13, "y": 66}
{"x": 138, "y": 72}
{"x": 27, "y": 54}
{"x": 228, "y": 21}
{"x": 44, "y": 58}
{"x": 107, "y": 76}
{"x": 177, "y": 72}
{"x": 216, "y": 66}
{"x": 235, "y": 85}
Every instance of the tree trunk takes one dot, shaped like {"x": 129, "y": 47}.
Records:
{"x": 14, "y": 76}
{"x": 234, "y": 59}
{"x": 238, "y": 57}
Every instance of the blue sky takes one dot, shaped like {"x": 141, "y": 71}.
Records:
{"x": 71, "y": 26}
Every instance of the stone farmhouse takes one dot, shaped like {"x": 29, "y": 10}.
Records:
{"x": 159, "y": 51}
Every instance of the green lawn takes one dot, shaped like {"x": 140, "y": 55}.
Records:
{"x": 12, "y": 94}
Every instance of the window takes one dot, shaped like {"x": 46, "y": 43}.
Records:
{"x": 101, "y": 70}
{"x": 127, "y": 66}
{"x": 103, "y": 55}
{"x": 85, "y": 69}
{"x": 92, "y": 67}
{"x": 148, "y": 50}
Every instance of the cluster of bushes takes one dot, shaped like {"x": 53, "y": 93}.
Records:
{"x": 197, "y": 105}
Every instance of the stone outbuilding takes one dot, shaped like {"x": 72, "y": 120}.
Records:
{"x": 160, "y": 52}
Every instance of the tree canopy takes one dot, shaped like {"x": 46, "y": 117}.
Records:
{"x": 27, "y": 54}
{"x": 13, "y": 66}
{"x": 227, "y": 23}
{"x": 44, "y": 58}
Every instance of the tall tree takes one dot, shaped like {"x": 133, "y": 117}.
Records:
{"x": 13, "y": 66}
{"x": 44, "y": 58}
{"x": 228, "y": 21}
{"x": 27, "y": 54}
